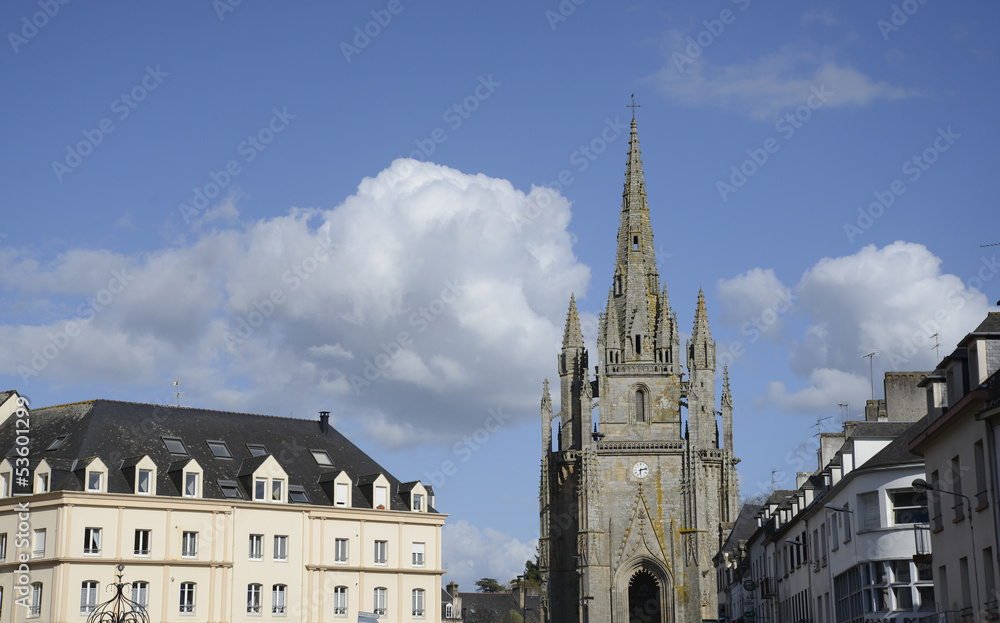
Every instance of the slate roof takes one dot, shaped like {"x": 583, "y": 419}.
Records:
{"x": 898, "y": 450}
{"x": 746, "y": 525}
{"x": 117, "y": 432}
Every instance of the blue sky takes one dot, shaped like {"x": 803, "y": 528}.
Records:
{"x": 215, "y": 197}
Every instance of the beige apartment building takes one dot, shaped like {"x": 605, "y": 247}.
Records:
{"x": 216, "y": 516}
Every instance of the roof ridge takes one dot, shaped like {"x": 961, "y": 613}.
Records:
{"x": 153, "y": 404}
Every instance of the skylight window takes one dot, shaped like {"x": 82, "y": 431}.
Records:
{"x": 297, "y": 493}
{"x": 58, "y": 441}
{"x": 231, "y": 489}
{"x": 219, "y": 449}
{"x": 256, "y": 449}
{"x": 322, "y": 457}
{"x": 175, "y": 445}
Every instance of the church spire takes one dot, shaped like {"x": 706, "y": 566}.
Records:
{"x": 727, "y": 396}
{"x": 572, "y": 336}
{"x": 701, "y": 318}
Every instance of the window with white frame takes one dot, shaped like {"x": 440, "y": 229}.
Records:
{"x": 280, "y": 547}
{"x": 191, "y": 484}
{"x": 381, "y": 552}
{"x": 378, "y": 601}
{"x": 277, "y": 490}
{"x": 92, "y": 541}
{"x": 140, "y": 593}
{"x": 340, "y": 494}
{"x": 38, "y": 543}
{"x": 187, "y": 597}
{"x": 448, "y": 611}
{"x": 260, "y": 489}
{"x": 189, "y": 545}
{"x": 3, "y": 546}
{"x": 35, "y": 609}
{"x": 418, "y": 603}
{"x": 88, "y": 597}
{"x": 42, "y": 483}
{"x": 142, "y": 538}
{"x": 418, "y": 554}
{"x": 256, "y": 547}
{"x": 340, "y": 601}
{"x": 278, "y": 598}
{"x": 144, "y": 482}
{"x": 5, "y": 484}
{"x": 254, "y": 596}
{"x": 870, "y": 515}
{"x": 340, "y": 550}
{"x": 94, "y": 481}
{"x": 380, "y": 497}
{"x": 908, "y": 506}
{"x": 418, "y": 502}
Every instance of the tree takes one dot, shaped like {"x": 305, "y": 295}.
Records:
{"x": 489, "y": 585}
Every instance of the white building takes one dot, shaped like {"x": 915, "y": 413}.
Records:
{"x": 960, "y": 448}
{"x": 216, "y": 516}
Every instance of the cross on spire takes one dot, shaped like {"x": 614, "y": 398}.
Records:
{"x": 633, "y": 105}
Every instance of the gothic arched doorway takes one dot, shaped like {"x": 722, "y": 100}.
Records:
{"x": 643, "y": 598}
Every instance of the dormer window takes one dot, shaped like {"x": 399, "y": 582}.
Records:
{"x": 95, "y": 481}
{"x": 381, "y": 496}
{"x": 174, "y": 445}
{"x": 340, "y": 495}
{"x": 191, "y": 484}
{"x": 418, "y": 503}
{"x": 144, "y": 482}
{"x": 231, "y": 489}
{"x": 42, "y": 483}
{"x": 219, "y": 449}
{"x": 259, "y": 489}
{"x": 277, "y": 490}
{"x": 297, "y": 494}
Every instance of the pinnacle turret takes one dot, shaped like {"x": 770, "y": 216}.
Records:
{"x": 701, "y": 318}
{"x": 572, "y": 336}
{"x": 727, "y": 396}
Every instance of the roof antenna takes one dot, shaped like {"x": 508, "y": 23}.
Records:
{"x": 871, "y": 369}
{"x": 937, "y": 347}
{"x": 844, "y": 411}
{"x": 819, "y": 422}
{"x": 177, "y": 394}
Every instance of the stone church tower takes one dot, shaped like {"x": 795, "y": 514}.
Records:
{"x": 631, "y": 511}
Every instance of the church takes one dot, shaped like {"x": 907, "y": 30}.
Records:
{"x": 631, "y": 511}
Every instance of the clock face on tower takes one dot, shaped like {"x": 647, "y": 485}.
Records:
{"x": 640, "y": 469}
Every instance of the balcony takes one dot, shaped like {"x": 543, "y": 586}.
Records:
{"x": 768, "y": 588}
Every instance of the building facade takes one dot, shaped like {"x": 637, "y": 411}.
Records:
{"x": 960, "y": 447}
{"x": 631, "y": 511}
{"x": 216, "y": 516}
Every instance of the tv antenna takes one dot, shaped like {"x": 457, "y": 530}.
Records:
{"x": 844, "y": 411}
{"x": 773, "y": 472}
{"x": 177, "y": 394}
{"x": 937, "y": 347}
{"x": 871, "y": 369}
{"x": 819, "y": 422}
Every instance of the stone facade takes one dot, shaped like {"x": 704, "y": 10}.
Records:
{"x": 631, "y": 512}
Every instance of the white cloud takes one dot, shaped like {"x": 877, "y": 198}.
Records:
{"x": 891, "y": 299}
{"x": 757, "y": 298}
{"x": 825, "y": 16}
{"x": 471, "y": 554}
{"x": 767, "y": 86}
{"x": 415, "y": 301}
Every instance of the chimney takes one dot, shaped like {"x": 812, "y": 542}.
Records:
{"x": 452, "y": 589}
{"x": 324, "y": 421}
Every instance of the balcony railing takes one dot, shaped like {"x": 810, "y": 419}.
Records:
{"x": 992, "y": 610}
{"x": 937, "y": 525}
{"x": 945, "y": 616}
{"x": 982, "y": 500}
{"x": 959, "y": 511}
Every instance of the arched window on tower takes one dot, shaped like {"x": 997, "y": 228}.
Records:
{"x": 640, "y": 405}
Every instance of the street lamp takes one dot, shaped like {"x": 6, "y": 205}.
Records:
{"x": 922, "y": 486}
{"x": 119, "y": 609}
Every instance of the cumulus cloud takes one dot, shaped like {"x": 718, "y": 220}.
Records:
{"x": 764, "y": 87}
{"x": 892, "y": 299}
{"x": 472, "y": 554}
{"x": 424, "y": 296}
{"x": 755, "y": 299}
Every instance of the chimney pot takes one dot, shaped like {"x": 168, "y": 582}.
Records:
{"x": 324, "y": 420}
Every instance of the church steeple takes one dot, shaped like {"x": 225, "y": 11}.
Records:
{"x": 637, "y": 282}
{"x": 701, "y": 347}
{"x": 572, "y": 335}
